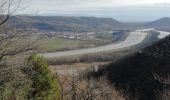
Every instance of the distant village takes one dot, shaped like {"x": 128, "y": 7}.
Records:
{"x": 72, "y": 35}
{"x": 83, "y": 35}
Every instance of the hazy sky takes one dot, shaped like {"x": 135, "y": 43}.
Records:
{"x": 123, "y": 10}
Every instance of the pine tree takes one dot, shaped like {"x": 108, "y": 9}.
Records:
{"x": 45, "y": 86}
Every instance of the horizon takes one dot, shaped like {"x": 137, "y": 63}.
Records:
{"x": 122, "y": 10}
{"x": 91, "y": 16}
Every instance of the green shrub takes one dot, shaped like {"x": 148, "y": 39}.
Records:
{"x": 45, "y": 86}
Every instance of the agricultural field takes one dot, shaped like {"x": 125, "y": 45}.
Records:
{"x": 57, "y": 44}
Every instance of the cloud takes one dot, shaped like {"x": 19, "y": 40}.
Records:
{"x": 132, "y": 9}
{"x": 64, "y": 5}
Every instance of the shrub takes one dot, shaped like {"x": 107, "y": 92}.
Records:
{"x": 45, "y": 86}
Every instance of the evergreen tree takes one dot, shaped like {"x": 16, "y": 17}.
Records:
{"x": 45, "y": 86}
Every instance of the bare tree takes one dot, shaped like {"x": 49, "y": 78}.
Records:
{"x": 81, "y": 88}
{"x": 11, "y": 39}
{"x": 13, "y": 82}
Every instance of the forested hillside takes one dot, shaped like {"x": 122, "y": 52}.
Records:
{"x": 144, "y": 75}
{"x": 61, "y": 23}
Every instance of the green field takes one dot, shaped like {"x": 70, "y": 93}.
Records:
{"x": 60, "y": 44}
{"x": 57, "y": 44}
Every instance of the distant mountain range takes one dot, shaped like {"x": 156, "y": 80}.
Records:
{"x": 161, "y": 24}
{"x": 56, "y": 23}
{"x": 81, "y": 24}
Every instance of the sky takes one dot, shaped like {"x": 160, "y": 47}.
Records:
{"x": 122, "y": 10}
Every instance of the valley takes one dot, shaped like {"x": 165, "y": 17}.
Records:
{"x": 75, "y": 56}
{"x": 133, "y": 39}
{"x": 84, "y": 50}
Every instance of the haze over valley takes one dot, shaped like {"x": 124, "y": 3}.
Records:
{"x": 84, "y": 50}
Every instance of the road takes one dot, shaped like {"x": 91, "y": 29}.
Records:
{"x": 134, "y": 38}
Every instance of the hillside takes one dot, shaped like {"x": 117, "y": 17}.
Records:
{"x": 144, "y": 75}
{"x": 161, "y": 24}
{"x": 59, "y": 23}
{"x": 83, "y": 24}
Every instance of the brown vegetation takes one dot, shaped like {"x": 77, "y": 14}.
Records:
{"x": 90, "y": 58}
{"x": 81, "y": 88}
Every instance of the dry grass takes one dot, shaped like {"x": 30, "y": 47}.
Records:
{"x": 75, "y": 68}
{"x": 90, "y": 58}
